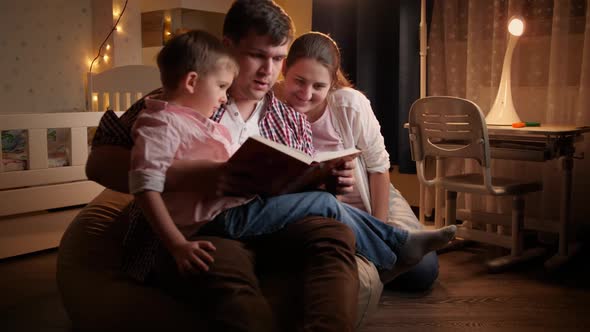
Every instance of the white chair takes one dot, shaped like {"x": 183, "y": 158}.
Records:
{"x": 450, "y": 127}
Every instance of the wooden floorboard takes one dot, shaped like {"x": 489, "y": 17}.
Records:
{"x": 465, "y": 298}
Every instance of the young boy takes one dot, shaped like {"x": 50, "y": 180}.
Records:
{"x": 196, "y": 70}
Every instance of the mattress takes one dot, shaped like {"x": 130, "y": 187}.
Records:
{"x": 14, "y": 149}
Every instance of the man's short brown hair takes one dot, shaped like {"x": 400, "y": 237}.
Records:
{"x": 264, "y": 17}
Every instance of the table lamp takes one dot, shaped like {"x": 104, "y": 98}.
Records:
{"x": 502, "y": 112}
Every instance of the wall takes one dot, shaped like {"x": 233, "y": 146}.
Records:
{"x": 181, "y": 18}
{"x": 407, "y": 184}
{"x": 218, "y": 6}
{"x": 203, "y": 20}
{"x": 300, "y": 12}
{"x": 44, "y": 48}
{"x": 127, "y": 41}
{"x": 102, "y": 22}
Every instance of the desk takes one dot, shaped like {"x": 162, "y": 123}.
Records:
{"x": 539, "y": 144}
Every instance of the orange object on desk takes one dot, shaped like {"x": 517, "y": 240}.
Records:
{"x": 518, "y": 125}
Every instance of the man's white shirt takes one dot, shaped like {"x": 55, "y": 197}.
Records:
{"x": 239, "y": 129}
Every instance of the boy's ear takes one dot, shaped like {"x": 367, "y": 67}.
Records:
{"x": 190, "y": 81}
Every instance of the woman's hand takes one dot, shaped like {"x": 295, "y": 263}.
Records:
{"x": 193, "y": 256}
{"x": 343, "y": 178}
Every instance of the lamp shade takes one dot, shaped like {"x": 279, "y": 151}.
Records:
{"x": 503, "y": 112}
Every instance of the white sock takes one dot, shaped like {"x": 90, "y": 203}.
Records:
{"x": 419, "y": 243}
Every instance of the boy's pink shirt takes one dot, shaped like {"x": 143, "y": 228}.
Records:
{"x": 166, "y": 132}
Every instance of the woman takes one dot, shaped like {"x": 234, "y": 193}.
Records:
{"x": 341, "y": 117}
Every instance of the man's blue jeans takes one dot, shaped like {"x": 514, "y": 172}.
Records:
{"x": 377, "y": 241}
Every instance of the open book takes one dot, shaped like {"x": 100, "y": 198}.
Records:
{"x": 289, "y": 170}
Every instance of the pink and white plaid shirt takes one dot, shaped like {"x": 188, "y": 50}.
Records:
{"x": 164, "y": 132}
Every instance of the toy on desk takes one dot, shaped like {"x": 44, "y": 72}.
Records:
{"x": 526, "y": 124}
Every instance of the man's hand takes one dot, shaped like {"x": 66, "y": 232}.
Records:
{"x": 192, "y": 256}
{"x": 343, "y": 178}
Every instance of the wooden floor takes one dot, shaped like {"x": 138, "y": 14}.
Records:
{"x": 465, "y": 298}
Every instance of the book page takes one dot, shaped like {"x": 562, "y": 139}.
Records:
{"x": 350, "y": 154}
{"x": 299, "y": 155}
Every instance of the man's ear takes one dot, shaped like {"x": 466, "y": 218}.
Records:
{"x": 190, "y": 81}
{"x": 284, "y": 68}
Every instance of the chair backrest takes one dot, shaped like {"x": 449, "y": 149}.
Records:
{"x": 442, "y": 126}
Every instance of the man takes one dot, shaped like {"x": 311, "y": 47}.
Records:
{"x": 259, "y": 32}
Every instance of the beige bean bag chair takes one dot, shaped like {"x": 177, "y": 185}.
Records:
{"x": 97, "y": 297}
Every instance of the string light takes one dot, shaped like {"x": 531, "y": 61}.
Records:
{"x": 108, "y": 36}
{"x": 167, "y": 34}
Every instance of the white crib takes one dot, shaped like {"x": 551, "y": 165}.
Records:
{"x": 39, "y": 201}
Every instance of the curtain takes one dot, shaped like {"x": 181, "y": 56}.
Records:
{"x": 379, "y": 44}
{"x": 550, "y": 81}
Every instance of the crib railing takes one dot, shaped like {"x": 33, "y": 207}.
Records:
{"x": 40, "y": 186}
{"x": 107, "y": 90}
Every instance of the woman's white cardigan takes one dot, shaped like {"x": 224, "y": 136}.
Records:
{"x": 358, "y": 127}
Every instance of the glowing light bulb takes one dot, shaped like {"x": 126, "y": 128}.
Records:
{"x": 105, "y": 58}
{"x": 108, "y": 47}
{"x": 516, "y": 26}
{"x": 94, "y": 97}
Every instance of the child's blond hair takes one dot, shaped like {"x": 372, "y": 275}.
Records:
{"x": 195, "y": 50}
